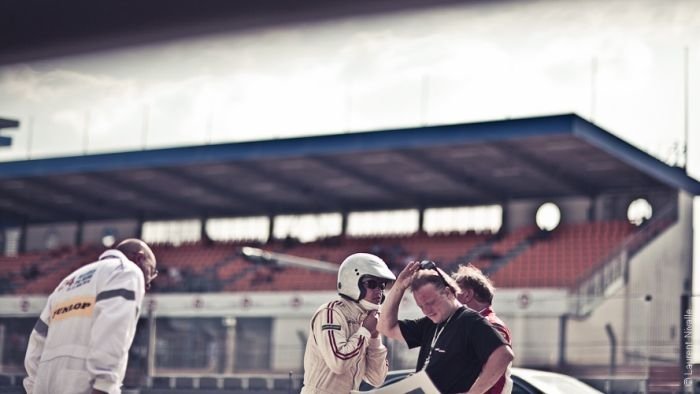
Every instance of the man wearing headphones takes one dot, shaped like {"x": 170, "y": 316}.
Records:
{"x": 344, "y": 346}
{"x": 459, "y": 349}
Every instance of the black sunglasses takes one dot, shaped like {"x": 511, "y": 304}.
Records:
{"x": 373, "y": 284}
{"x": 430, "y": 265}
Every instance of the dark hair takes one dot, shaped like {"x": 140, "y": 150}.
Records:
{"x": 430, "y": 273}
{"x": 472, "y": 278}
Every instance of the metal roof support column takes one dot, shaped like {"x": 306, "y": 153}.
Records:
{"x": 271, "y": 228}
{"x": 79, "y": 233}
{"x": 505, "y": 213}
{"x": 343, "y": 223}
{"x": 591, "y": 208}
{"x": 421, "y": 218}
{"x": 22, "y": 244}
{"x": 203, "y": 235}
{"x": 563, "y": 324}
{"x": 139, "y": 227}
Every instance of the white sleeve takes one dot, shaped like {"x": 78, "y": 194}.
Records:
{"x": 117, "y": 305}
{"x": 377, "y": 364}
{"x": 339, "y": 348}
{"x": 36, "y": 347}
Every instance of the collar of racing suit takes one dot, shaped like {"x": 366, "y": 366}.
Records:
{"x": 358, "y": 311}
{"x": 113, "y": 254}
{"x": 368, "y": 306}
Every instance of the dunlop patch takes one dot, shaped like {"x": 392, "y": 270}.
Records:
{"x": 76, "y": 307}
{"x": 330, "y": 327}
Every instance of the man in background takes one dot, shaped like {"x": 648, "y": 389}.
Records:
{"x": 344, "y": 346}
{"x": 80, "y": 342}
{"x": 477, "y": 293}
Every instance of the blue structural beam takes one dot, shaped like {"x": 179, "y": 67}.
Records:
{"x": 6, "y": 124}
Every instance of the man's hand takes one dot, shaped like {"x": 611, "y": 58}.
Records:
{"x": 406, "y": 276}
{"x": 370, "y": 323}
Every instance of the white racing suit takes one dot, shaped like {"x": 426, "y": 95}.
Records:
{"x": 82, "y": 337}
{"x": 340, "y": 353}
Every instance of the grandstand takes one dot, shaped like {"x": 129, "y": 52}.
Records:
{"x": 219, "y": 320}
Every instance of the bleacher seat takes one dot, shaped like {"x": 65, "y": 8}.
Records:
{"x": 565, "y": 256}
{"x": 557, "y": 259}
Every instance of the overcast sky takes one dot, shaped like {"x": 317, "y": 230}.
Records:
{"x": 617, "y": 63}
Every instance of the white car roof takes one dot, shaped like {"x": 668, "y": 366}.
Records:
{"x": 554, "y": 383}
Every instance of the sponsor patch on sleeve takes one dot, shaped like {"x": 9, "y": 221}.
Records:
{"x": 330, "y": 327}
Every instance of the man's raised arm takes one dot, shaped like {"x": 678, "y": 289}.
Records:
{"x": 388, "y": 324}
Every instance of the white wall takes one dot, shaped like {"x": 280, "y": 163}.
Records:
{"x": 63, "y": 234}
{"x": 574, "y": 209}
{"x": 660, "y": 270}
{"x": 534, "y": 323}
{"x": 586, "y": 339}
{"x": 121, "y": 229}
{"x": 522, "y": 212}
{"x": 663, "y": 270}
{"x": 535, "y": 339}
{"x": 288, "y": 347}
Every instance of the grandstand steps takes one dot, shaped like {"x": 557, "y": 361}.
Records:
{"x": 500, "y": 262}
{"x": 215, "y": 269}
{"x": 473, "y": 255}
{"x": 51, "y": 271}
{"x": 246, "y": 272}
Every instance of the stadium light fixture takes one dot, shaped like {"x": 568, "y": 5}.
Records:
{"x": 639, "y": 211}
{"x": 548, "y": 216}
{"x": 256, "y": 255}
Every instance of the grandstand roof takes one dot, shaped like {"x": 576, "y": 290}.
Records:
{"x": 462, "y": 164}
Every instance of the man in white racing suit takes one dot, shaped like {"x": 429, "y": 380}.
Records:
{"x": 81, "y": 340}
{"x": 344, "y": 346}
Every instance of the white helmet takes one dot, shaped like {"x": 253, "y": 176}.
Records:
{"x": 354, "y": 267}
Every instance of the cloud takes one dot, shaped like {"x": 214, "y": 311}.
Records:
{"x": 453, "y": 63}
{"x": 26, "y": 83}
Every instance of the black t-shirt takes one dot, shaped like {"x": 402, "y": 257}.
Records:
{"x": 461, "y": 350}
